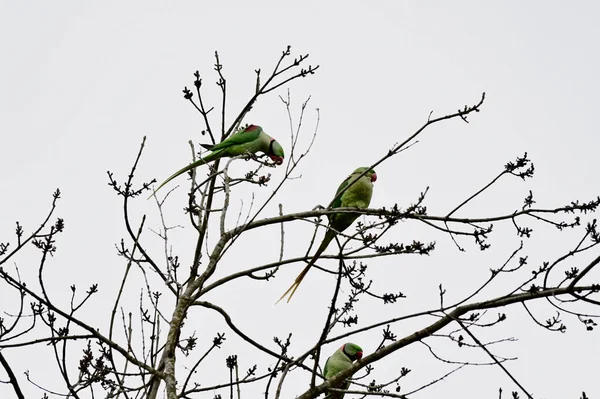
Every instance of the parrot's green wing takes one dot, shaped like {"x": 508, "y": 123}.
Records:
{"x": 247, "y": 135}
{"x": 338, "y": 202}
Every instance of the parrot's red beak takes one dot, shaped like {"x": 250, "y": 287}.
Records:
{"x": 358, "y": 355}
{"x": 276, "y": 159}
{"x": 374, "y": 177}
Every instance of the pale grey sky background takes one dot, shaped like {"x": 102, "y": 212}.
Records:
{"x": 82, "y": 82}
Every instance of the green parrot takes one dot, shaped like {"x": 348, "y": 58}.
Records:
{"x": 358, "y": 195}
{"x": 251, "y": 139}
{"x": 341, "y": 360}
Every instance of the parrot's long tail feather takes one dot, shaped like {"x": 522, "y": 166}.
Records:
{"x": 297, "y": 282}
{"x": 326, "y": 240}
{"x": 191, "y": 166}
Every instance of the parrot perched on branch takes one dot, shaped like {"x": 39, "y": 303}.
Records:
{"x": 357, "y": 195}
{"x": 251, "y": 139}
{"x": 341, "y": 360}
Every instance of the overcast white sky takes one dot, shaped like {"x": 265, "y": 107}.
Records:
{"x": 81, "y": 83}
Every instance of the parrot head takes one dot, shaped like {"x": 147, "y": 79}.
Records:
{"x": 370, "y": 174}
{"x": 276, "y": 152}
{"x": 353, "y": 351}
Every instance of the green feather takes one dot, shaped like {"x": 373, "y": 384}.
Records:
{"x": 251, "y": 139}
{"x": 341, "y": 360}
{"x": 245, "y": 136}
{"x": 357, "y": 194}
{"x": 209, "y": 158}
